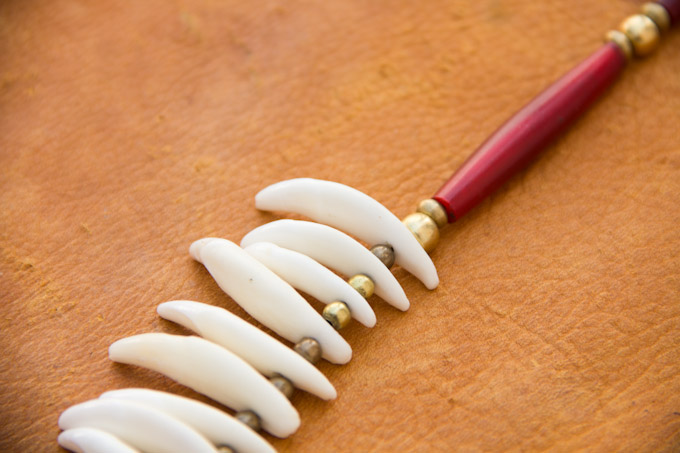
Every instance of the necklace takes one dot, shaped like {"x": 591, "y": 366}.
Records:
{"x": 424, "y": 238}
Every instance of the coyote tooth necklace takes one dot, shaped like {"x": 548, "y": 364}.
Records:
{"x": 272, "y": 255}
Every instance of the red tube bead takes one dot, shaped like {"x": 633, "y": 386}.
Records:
{"x": 521, "y": 139}
{"x": 673, "y": 8}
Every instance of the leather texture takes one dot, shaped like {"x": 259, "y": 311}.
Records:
{"x": 130, "y": 129}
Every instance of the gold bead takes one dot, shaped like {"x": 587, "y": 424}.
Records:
{"x": 621, "y": 40}
{"x": 225, "y": 449}
{"x": 435, "y": 210}
{"x": 249, "y": 418}
{"x": 308, "y": 348}
{"x": 385, "y": 253}
{"x": 337, "y": 314}
{"x": 658, "y": 14}
{"x": 642, "y": 32}
{"x": 283, "y": 384}
{"x": 424, "y": 229}
{"x": 363, "y": 284}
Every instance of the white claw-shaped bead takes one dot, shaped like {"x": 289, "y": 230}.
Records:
{"x": 354, "y": 212}
{"x": 213, "y": 371}
{"x": 91, "y": 440}
{"x": 142, "y": 427}
{"x": 218, "y": 427}
{"x": 267, "y": 297}
{"x": 268, "y": 355}
{"x": 309, "y": 276}
{"x": 334, "y": 249}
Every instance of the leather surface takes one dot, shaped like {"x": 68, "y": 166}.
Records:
{"x": 130, "y": 129}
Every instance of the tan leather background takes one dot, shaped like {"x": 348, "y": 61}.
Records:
{"x": 129, "y": 129}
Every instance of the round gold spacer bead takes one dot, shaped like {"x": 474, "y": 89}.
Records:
{"x": 250, "y": 419}
{"x": 283, "y": 385}
{"x": 436, "y": 211}
{"x": 337, "y": 314}
{"x": 620, "y": 39}
{"x": 385, "y": 253}
{"x": 225, "y": 449}
{"x": 658, "y": 14}
{"x": 308, "y": 348}
{"x": 363, "y": 284}
{"x": 424, "y": 229}
{"x": 642, "y": 32}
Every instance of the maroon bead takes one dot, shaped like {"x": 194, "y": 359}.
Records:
{"x": 521, "y": 139}
{"x": 673, "y": 8}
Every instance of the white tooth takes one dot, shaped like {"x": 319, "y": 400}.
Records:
{"x": 217, "y": 426}
{"x": 334, "y": 249}
{"x": 91, "y": 440}
{"x": 354, "y": 212}
{"x": 266, "y": 354}
{"x": 267, "y": 297}
{"x": 213, "y": 371}
{"x": 143, "y": 427}
{"x": 312, "y": 278}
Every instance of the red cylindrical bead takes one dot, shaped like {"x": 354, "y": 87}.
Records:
{"x": 673, "y": 8}
{"x": 520, "y": 139}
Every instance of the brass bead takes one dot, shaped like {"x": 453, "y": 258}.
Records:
{"x": 363, "y": 284}
{"x": 658, "y": 14}
{"x": 250, "y": 419}
{"x": 308, "y": 348}
{"x": 225, "y": 449}
{"x": 642, "y": 32}
{"x": 620, "y": 39}
{"x": 385, "y": 253}
{"x": 337, "y": 314}
{"x": 283, "y": 385}
{"x": 424, "y": 229}
{"x": 435, "y": 210}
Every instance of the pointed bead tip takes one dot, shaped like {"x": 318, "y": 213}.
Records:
{"x": 196, "y": 247}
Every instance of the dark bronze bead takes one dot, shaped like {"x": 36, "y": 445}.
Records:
{"x": 283, "y": 384}
{"x": 250, "y": 419}
{"x": 309, "y": 348}
{"x": 385, "y": 253}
